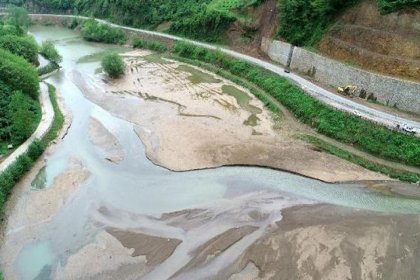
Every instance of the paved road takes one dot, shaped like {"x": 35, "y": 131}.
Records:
{"x": 321, "y": 94}
{"x": 43, "y": 127}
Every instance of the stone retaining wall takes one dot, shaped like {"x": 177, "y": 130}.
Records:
{"x": 403, "y": 94}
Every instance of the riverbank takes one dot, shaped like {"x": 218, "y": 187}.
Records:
{"x": 209, "y": 121}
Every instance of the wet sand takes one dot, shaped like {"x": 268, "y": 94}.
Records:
{"x": 105, "y": 142}
{"x": 189, "y": 119}
{"x": 310, "y": 242}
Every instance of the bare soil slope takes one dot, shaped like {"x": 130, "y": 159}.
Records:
{"x": 385, "y": 43}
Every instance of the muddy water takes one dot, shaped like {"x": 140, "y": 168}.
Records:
{"x": 133, "y": 194}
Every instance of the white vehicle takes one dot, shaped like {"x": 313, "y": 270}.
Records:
{"x": 357, "y": 113}
{"x": 408, "y": 129}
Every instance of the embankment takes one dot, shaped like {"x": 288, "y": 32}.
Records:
{"x": 399, "y": 93}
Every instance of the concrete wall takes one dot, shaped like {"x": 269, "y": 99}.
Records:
{"x": 277, "y": 50}
{"x": 390, "y": 91}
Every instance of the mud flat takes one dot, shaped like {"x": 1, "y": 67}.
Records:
{"x": 189, "y": 118}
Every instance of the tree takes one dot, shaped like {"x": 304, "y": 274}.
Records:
{"x": 21, "y": 116}
{"x": 18, "y": 74}
{"x": 113, "y": 65}
{"x": 25, "y": 47}
{"x": 49, "y": 51}
{"x": 18, "y": 17}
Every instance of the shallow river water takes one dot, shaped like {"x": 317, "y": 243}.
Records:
{"x": 137, "y": 187}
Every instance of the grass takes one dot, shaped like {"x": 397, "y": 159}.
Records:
{"x": 391, "y": 172}
{"x": 364, "y": 135}
{"x": 24, "y": 163}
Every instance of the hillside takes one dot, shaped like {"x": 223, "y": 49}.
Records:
{"x": 381, "y": 35}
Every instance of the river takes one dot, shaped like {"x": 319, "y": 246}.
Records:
{"x": 133, "y": 195}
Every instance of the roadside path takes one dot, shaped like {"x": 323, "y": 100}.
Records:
{"x": 43, "y": 127}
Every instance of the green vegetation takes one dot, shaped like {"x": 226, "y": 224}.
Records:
{"x": 11, "y": 175}
{"x": 389, "y": 6}
{"x": 21, "y": 115}
{"x": 113, "y": 65}
{"x": 393, "y": 173}
{"x": 98, "y": 32}
{"x": 19, "y": 106}
{"x": 18, "y": 74}
{"x": 49, "y": 68}
{"x": 336, "y": 124}
{"x": 24, "y": 46}
{"x": 150, "y": 45}
{"x": 303, "y": 22}
{"x": 49, "y": 51}
{"x": 18, "y": 17}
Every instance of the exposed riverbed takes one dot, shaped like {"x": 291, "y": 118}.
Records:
{"x": 96, "y": 208}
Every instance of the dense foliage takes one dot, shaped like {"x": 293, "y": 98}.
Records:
{"x": 303, "y": 22}
{"x": 97, "y": 32}
{"x": 18, "y": 74}
{"x": 24, "y": 46}
{"x": 336, "y": 124}
{"x": 113, "y": 65}
{"x": 388, "y": 6}
{"x": 19, "y": 84}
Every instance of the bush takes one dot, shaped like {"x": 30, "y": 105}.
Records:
{"x": 152, "y": 45}
{"x": 97, "y": 32}
{"x": 50, "y": 67}
{"x": 388, "y": 6}
{"x": 49, "y": 51}
{"x": 363, "y": 134}
{"x": 207, "y": 24}
{"x": 18, "y": 74}
{"x": 113, "y": 65}
{"x": 21, "y": 117}
{"x": 25, "y": 47}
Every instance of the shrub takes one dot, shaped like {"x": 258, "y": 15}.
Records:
{"x": 49, "y": 51}
{"x": 206, "y": 24}
{"x": 25, "y": 47}
{"x": 113, "y": 65}
{"x": 97, "y": 32}
{"x": 151, "y": 45}
{"x": 21, "y": 116}
{"x": 18, "y": 74}
{"x": 388, "y": 6}
{"x": 50, "y": 67}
